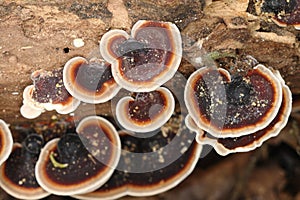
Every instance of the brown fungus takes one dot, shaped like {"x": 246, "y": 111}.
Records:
{"x": 17, "y": 175}
{"x": 89, "y": 81}
{"x": 286, "y": 12}
{"x": 244, "y": 143}
{"x": 47, "y": 93}
{"x": 146, "y": 112}
{"x": 79, "y": 163}
{"x": 233, "y": 107}
{"x": 6, "y": 141}
{"x": 149, "y": 166}
{"x": 145, "y": 60}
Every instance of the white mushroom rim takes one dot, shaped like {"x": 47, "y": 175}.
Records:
{"x": 77, "y": 68}
{"x": 32, "y": 109}
{"x": 88, "y": 184}
{"x": 142, "y": 78}
{"x": 18, "y": 191}
{"x": 163, "y": 186}
{"x": 270, "y": 131}
{"x": 157, "y": 114}
{"x": 6, "y": 141}
{"x": 206, "y": 125}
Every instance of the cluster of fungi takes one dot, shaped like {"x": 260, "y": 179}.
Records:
{"x": 232, "y": 113}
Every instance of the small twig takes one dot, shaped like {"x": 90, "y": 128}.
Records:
{"x": 55, "y": 163}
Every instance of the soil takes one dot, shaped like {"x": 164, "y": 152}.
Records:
{"x": 39, "y": 35}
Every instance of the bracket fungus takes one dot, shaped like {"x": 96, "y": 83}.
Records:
{"x": 17, "y": 175}
{"x": 145, "y": 60}
{"x": 146, "y": 112}
{"x": 47, "y": 93}
{"x": 286, "y": 12}
{"x": 242, "y": 143}
{"x": 149, "y": 166}
{"x": 82, "y": 162}
{"x": 234, "y": 106}
{"x": 89, "y": 81}
{"x": 6, "y": 141}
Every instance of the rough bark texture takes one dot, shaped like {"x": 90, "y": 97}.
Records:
{"x": 39, "y": 35}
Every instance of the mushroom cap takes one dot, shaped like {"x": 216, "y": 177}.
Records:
{"x": 6, "y": 141}
{"x": 51, "y": 93}
{"x": 157, "y": 152}
{"x": 284, "y": 12}
{"x": 109, "y": 44}
{"x": 17, "y": 176}
{"x": 190, "y": 124}
{"x": 284, "y": 23}
{"x": 146, "y": 112}
{"x": 30, "y": 109}
{"x": 224, "y": 146}
{"x": 47, "y": 93}
{"x": 290, "y": 18}
{"x": 147, "y": 59}
{"x": 80, "y": 163}
{"x": 232, "y": 108}
{"x": 89, "y": 81}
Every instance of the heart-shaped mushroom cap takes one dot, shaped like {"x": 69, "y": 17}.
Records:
{"x": 232, "y": 107}
{"x": 149, "y": 166}
{"x": 89, "y": 81}
{"x": 146, "y": 112}
{"x": 6, "y": 141}
{"x": 17, "y": 175}
{"x": 145, "y": 60}
{"x": 79, "y": 163}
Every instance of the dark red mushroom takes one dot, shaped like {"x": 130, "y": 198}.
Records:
{"x": 6, "y": 141}
{"x": 146, "y": 112}
{"x": 79, "y": 163}
{"x": 286, "y": 12}
{"x": 226, "y": 145}
{"x": 89, "y": 81}
{"x": 235, "y": 107}
{"x": 149, "y": 166}
{"x": 17, "y": 175}
{"x": 147, "y": 59}
{"x": 47, "y": 93}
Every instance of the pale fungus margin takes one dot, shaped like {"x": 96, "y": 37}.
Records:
{"x": 224, "y": 145}
{"x": 145, "y": 60}
{"x": 235, "y": 107}
{"x": 46, "y": 94}
{"x": 146, "y": 112}
{"x": 82, "y": 162}
{"x": 17, "y": 175}
{"x": 85, "y": 164}
{"x": 89, "y": 81}
{"x": 148, "y": 183}
{"x": 283, "y": 13}
{"x": 6, "y": 141}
